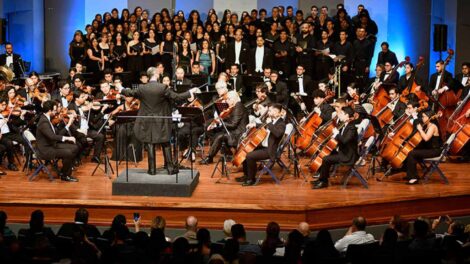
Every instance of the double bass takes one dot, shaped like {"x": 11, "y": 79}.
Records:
{"x": 446, "y": 101}
{"x": 458, "y": 125}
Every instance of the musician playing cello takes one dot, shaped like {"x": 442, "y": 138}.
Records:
{"x": 347, "y": 147}
{"x": 235, "y": 124}
{"x": 429, "y": 147}
{"x": 275, "y": 125}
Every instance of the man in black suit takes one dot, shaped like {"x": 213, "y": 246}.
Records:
{"x": 237, "y": 51}
{"x": 236, "y": 80}
{"x": 347, "y": 147}
{"x": 387, "y": 55}
{"x": 235, "y": 123}
{"x": 12, "y": 61}
{"x": 260, "y": 57}
{"x": 462, "y": 80}
{"x": 268, "y": 148}
{"x": 305, "y": 44}
{"x": 388, "y": 76}
{"x": 398, "y": 107}
{"x": 51, "y": 145}
{"x": 435, "y": 80}
{"x": 280, "y": 87}
{"x": 155, "y": 100}
{"x": 303, "y": 80}
{"x": 180, "y": 78}
{"x": 405, "y": 81}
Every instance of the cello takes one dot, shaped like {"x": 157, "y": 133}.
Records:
{"x": 412, "y": 86}
{"x": 404, "y": 140}
{"x": 324, "y": 144}
{"x": 307, "y": 128}
{"x": 250, "y": 141}
{"x": 381, "y": 98}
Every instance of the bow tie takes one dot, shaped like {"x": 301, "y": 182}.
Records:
{"x": 300, "y": 76}
{"x": 9, "y": 55}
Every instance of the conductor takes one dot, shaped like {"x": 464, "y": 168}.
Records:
{"x": 155, "y": 100}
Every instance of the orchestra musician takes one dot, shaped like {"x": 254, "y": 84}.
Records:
{"x": 12, "y": 60}
{"x": 262, "y": 101}
{"x": 280, "y": 87}
{"x": 429, "y": 147}
{"x": 64, "y": 96}
{"x": 52, "y": 146}
{"x": 180, "y": 78}
{"x": 398, "y": 107}
{"x": 435, "y": 80}
{"x": 276, "y": 126}
{"x": 347, "y": 147}
{"x": 404, "y": 81}
{"x": 235, "y": 123}
{"x": 388, "y": 76}
{"x": 304, "y": 81}
{"x": 84, "y": 122}
{"x": 324, "y": 109}
{"x": 462, "y": 80}
{"x": 236, "y": 79}
{"x": 155, "y": 100}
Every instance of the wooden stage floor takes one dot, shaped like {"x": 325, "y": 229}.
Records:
{"x": 288, "y": 203}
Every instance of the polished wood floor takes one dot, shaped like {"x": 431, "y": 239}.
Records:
{"x": 288, "y": 203}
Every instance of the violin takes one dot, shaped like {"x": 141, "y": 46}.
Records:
{"x": 195, "y": 103}
{"x": 226, "y": 113}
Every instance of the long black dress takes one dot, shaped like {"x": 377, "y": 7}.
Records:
{"x": 125, "y": 137}
{"x": 77, "y": 52}
{"x": 120, "y": 54}
{"x": 149, "y": 59}
{"x": 93, "y": 65}
{"x": 167, "y": 57}
{"x": 134, "y": 62}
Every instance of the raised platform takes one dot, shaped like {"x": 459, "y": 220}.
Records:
{"x": 137, "y": 182}
{"x": 288, "y": 203}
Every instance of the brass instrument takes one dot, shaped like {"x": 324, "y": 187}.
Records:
{"x": 8, "y": 73}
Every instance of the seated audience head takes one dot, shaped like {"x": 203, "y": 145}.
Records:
{"x": 359, "y": 223}
{"x": 304, "y": 229}
{"x": 420, "y": 228}
{"x": 191, "y": 223}
{"x": 36, "y": 222}
{"x": 228, "y": 227}
{"x": 238, "y": 232}
{"x": 81, "y": 216}
{"x": 158, "y": 223}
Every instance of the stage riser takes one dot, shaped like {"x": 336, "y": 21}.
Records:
{"x": 252, "y": 219}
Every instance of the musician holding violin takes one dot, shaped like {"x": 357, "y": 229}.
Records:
{"x": 7, "y": 135}
{"x": 261, "y": 102}
{"x": 275, "y": 126}
{"x": 64, "y": 95}
{"x": 347, "y": 146}
{"x": 235, "y": 119}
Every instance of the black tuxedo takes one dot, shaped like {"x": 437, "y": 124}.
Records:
{"x": 403, "y": 83}
{"x": 306, "y": 80}
{"x": 261, "y": 153}
{"x": 448, "y": 80}
{"x": 235, "y": 124}
{"x": 18, "y": 66}
{"x": 230, "y": 55}
{"x": 185, "y": 81}
{"x": 391, "y": 78}
{"x": 238, "y": 81}
{"x": 267, "y": 60}
{"x": 347, "y": 151}
{"x": 399, "y": 110}
{"x": 326, "y": 112}
{"x": 50, "y": 145}
{"x": 458, "y": 83}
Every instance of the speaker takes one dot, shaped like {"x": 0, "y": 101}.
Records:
{"x": 440, "y": 37}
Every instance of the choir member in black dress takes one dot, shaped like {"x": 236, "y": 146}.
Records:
{"x": 185, "y": 56}
{"x": 347, "y": 147}
{"x": 220, "y": 52}
{"x": 276, "y": 126}
{"x": 168, "y": 49}
{"x": 135, "y": 50}
{"x": 119, "y": 51}
{"x": 149, "y": 59}
{"x": 95, "y": 57}
{"x": 105, "y": 48}
{"x": 77, "y": 48}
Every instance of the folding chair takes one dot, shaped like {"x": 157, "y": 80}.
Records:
{"x": 34, "y": 155}
{"x": 431, "y": 165}
{"x": 266, "y": 165}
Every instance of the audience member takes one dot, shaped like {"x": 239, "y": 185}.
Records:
{"x": 356, "y": 235}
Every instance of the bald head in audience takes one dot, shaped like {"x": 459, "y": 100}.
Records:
{"x": 304, "y": 229}
{"x": 191, "y": 223}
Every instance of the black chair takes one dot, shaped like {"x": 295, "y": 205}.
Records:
{"x": 34, "y": 156}
{"x": 362, "y": 253}
{"x": 431, "y": 165}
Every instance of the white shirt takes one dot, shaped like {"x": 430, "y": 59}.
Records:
{"x": 64, "y": 101}
{"x": 265, "y": 141}
{"x": 259, "y": 54}
{"x": 301, "y": 85}
{"x": 4, "y": 126}
{"x": 464, "y": 81}
{"x": 83, "y": 120}
{"x": 356, "y": 238}
{"x": 9, "y": 61}
{"x": 238, "y": 48}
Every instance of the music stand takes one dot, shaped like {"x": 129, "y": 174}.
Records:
{"x": 197, "y": 80}
{"x": 108, "y": 169}
{"x": 120, "y": 120}
{"x": 181, "y": 88}
{"x": 378, "y": 137}
{"x": 191, "y": 114}
{"x": 250, "y": 82}
{"x": 223, "y": 159}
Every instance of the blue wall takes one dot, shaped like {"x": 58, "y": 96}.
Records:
{"x": 26, "y": 30}
{"x": 200, "y": 5}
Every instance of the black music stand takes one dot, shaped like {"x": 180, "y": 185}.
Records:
{"x": 250, "y": 82}
{"x": 197, "y": 80}
{"x": 293, "y": 148}
{"x": 181, "y": 88}
{"x": 121, "y": 121}
{"x": 378, "y": 137}
{"x": 191, "y": 114}
{"x": 108, "y": 169}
